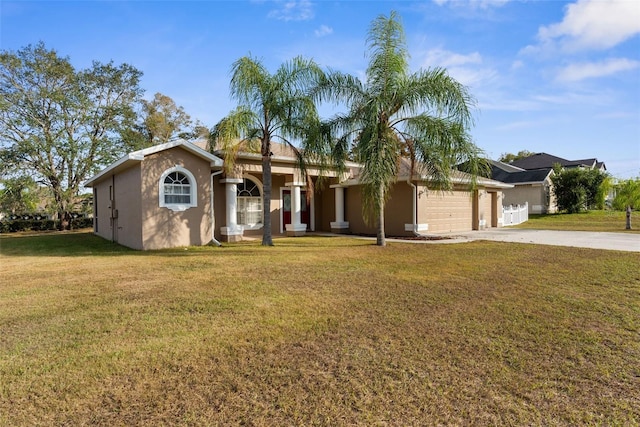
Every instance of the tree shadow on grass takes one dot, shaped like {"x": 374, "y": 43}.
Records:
{"x": 75, "y": 243}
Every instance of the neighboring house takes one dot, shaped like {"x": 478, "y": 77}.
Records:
{"x": 547, "y": 161}
{"x": 533, "y": 187}
{"x": 176, "y": 194}
{"x": 531, "y": 178}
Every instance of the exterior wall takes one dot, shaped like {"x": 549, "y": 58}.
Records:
{"x": 397, "y": 211}
{"x": 326, "y": 206}
{"x": 534, "y": 194}
{"x": 117, "y": 215}
{"x": 128, "y": 224}
{"x": 485, "y": 217}
{"x": 162, "y": 227}
{"x": 353, "y": 211}
{"x": 219, "y": 206}
{"x": 446, "y": 212}
{"x": 102, "y": 210}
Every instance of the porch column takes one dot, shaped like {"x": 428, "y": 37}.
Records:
{"x": 232, "y": 232}
{"x": 295, "y": 228}
{"x": 339, "y": 225}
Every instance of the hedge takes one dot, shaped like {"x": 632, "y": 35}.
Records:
{"x": 13, "y": 226}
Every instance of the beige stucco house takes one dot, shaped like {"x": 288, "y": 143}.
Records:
{"x": 531, "y": 187}
{"x": 176, "y": 194}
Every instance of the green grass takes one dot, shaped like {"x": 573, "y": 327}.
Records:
{"x": 609, "y": 221}
{"x": 317, "y": 331}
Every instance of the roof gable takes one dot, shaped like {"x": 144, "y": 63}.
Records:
{"x": 136, "y": 157}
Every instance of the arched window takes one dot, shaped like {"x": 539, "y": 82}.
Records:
{"x": 249, "y": 204}
{"x": 178, "y": 189}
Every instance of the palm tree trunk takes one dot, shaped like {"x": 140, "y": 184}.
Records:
{"x": 380, "y": 240}
{"x": 266, "y": 200}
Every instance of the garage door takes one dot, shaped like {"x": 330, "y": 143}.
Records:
{"x": 447, "y": 212}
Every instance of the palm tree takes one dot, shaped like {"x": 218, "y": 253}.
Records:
{"x": 423, "y": 116}
{"x": 271, "y": 107}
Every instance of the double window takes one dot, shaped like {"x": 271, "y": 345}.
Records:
{"x": 178, "y": 189}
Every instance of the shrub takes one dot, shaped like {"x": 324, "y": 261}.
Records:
{"x": 578, "y": 189}
{"x": 627, "y": 194}
{"x": 37, "y": 222}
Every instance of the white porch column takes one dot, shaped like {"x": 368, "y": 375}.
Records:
{"x": 339, "y": 225}
{"x": 232, "y": 231}
{"x": 295, "y": 228}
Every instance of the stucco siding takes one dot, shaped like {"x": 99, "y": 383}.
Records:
{"x": 484, "y": 209}
{"x": 102, "y": 210}
{"x": 164, "y": 227}
{"x": 128, "y": 225}
{"x": 533, "y": 194}
{"x": 325, "y": 207}
{"x": 398, "y": 211}
{"x": 219, "y": 206}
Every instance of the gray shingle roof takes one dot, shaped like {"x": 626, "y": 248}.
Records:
{"x": 544, "y": 160}
{"x": 537, "y": 175}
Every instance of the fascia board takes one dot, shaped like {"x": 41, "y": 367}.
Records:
{"x": 120, "y": 164}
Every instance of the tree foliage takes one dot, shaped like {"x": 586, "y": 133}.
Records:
{"x": 510, "y": 157}
{"x": 18, "y": 195}
{"x": 396, "y": 114}
{"x": 58, "y": 124}
{"x": 578, "y": 189}
{"x": 159, "y": 121}
{"x": 627, "y": 194}
{"x": 271, "y": 108}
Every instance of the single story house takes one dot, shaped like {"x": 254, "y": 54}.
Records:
{"x": 177, "y": 194}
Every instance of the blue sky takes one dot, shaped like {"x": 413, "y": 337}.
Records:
{"x": 561, "y": 77}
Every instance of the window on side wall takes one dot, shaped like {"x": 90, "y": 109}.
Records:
{"x": 249, "y": 204}
{"x": 178, "y": 190}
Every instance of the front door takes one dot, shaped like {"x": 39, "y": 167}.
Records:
{"x": 286, "y": 208}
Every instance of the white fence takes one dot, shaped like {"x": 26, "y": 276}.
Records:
{"x": 513, "y": 215}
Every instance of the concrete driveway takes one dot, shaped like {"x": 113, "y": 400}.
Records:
{"x": 581, "y": 239}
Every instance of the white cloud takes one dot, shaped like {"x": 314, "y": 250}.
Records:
{"x": 457, "y": 65}
{"x": 293, "y": 11}
{"x": 581, "y": 71}
{"x": 324, "y": 30}
{"x": 482, "y": 4}
{"x": 444, "y": 58}
{"x": 472, "y": 77}
{"x": 594, "y": 24}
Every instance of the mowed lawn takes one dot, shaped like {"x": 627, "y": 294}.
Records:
{"x": 602, "y": 220}
{"x": 317, "y": 331}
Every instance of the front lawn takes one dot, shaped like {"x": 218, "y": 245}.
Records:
{"x": 317, "y": 331}
{"x": 603, "y": 220}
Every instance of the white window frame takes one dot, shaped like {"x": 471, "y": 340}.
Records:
{"x": 193, "y": 194}
{"x": 259, "y": 225}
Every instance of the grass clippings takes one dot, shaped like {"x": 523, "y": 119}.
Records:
{"x": 317, "y": 331}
